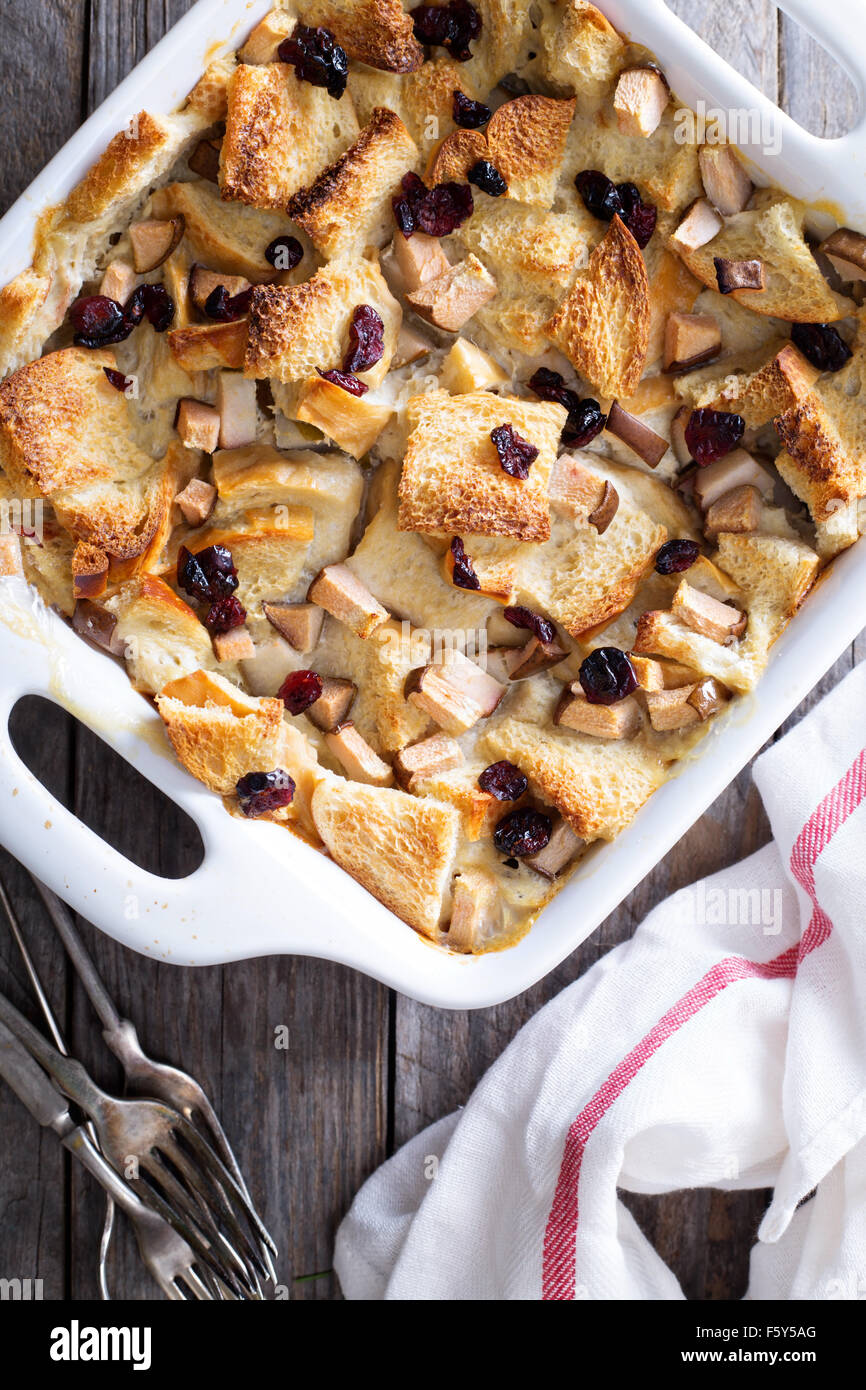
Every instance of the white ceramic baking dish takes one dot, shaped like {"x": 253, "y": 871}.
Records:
{"x": 259, "y": 891}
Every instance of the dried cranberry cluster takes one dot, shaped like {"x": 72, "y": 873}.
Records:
{"x": 523, "y": 832}
{"x": 435, "y": 211}
{"x": 710, "y": 434}
{"x": 524, "y": 618}
{"x": 299, "y": 690}
{"x": 317, "y": 58}
{"x": 676, "y": 556}
{"x": 463, "y": 571}
{"x": 453, "y": 27}
{"x": 366, "y": 340}
{"x": 585, "y": 416}
{"x": 100, "y": 322}
{"x": 487, "y": 177}
{"x": 225, "y": 307}
{"x": 607, "y": 676}
{"x": 345, "y": 381}
{"x": 606, "y": 200}
{"x": 821, "y": 344}
{"x": 210, "y": 576}
{"x": 284, "y": 253}
{"x": 117, "y": 379}
{"x": 260, "y": 792}
{"x": 516, "y": 454}
{"x": 504, "y": 781}
{"x": 469, "y": 114}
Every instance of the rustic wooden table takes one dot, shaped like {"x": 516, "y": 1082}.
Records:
{"x": 365, "y": 1069}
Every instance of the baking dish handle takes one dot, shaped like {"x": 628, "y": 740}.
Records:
{"x": 841, "y": 30}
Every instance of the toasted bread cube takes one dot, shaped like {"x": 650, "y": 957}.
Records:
{"x": 438, "y": 753}
{"x": 299, "y": 623}
{"x": 707, "y": 615}
{"x": 419, "y": 258}
{"x": 118, "y": 281}
{"x": 198, "y": 425}
{"x": 639, "y": 101}
{"x": 526, "y": 139}
{"x": 454, "y": 692}
{"x": 351, "y": 421}
{"x": 574, "y": 711}
{"x": 359, "y": 761}
{"x": 476, "y": 914}
{"x": 341, "y": 593}
{"x": 670, "y": 709}
{"x": 469, "y": 368}
{"x": 557, "y": 853}
{"x": 726, "y": 183}
{"x": 701, "y": 224}
{"x": 709, "y": 696}
{"x": 197, "y": 501}
{"x": 536, "y": 656}
{"x": 89, "y": 570}
{"x": 650, "y": 674}
{"x": 450, "y": 301}
{"x": 234, "y": 645}
{"x": 219, "y": 732}
{"x": 238, "y": 412}
{"x": 738, "y": 510}
{"x": 10, "y": 555}
{"x": 690, "y": 339}
{"x": 334, "y": 703}
{"x": 265, "y": 39}
{"x": 202, "y": 347}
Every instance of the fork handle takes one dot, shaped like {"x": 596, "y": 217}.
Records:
{"x": 81, "y": 958}
{"x": 69, "y": 1074}
{"x": 79, "y": 1143}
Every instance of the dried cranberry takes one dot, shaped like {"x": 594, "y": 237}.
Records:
{"x": 586, "y": 418}
{"x": 676, "y": 556}
{"x": 606, "y": 200}
{"x": 468, "y": 114}
{"x": 463, "y": 571}
{"x": 260, "y": 792}
{"x": 516, "y": 454}
{"x": 117, "y": 379}
{"x": 436, "y": 211}
{"x": 524, "y": 618}
{"x": 366, "y": 340}
{"x": 821, "y": 344}
{"x": 345, "y": 380}
{"x": 317, "y": 58}
{"x": 300, "y": 690}
{"x": 226, "y": 308}
{"x": 710, "y": 434}
{"x": 225, "y": 614}
{"x": 488, "y": 178}
{"x": 453, "y": 27}
{"x": 98, "y": 321}
{"x": 523, "y": 832}
{"x": 152, "y": 302}
{"x": 606, "y": 676}
{"x": 284, "y": 253}
{"x": 504, "y": 781}
{"x": 209, "y": 574}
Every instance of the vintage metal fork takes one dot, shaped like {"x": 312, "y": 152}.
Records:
{"x": 144, "y": 1077}
{"x": 167, "y": 1257}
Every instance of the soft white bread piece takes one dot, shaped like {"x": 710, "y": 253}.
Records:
{"x": 218, "y": 732}
{"x": 526, "y": 142}
{"x": 381, "y": 709}
{"x": 506, "y": 31}
{"x": 597, "y": 785}
{"x": 839, "y": 531}
{"x": 423, "y": 99}
{"x": 65, "y": 433}
{"x": 352, "y": 422}
{"x": 347, "y": 207}
{"x": 794, "y": 288}
{"x": 209, "y": 96}
{"x": 467, "y": 367}
{"x": 479, "y": 811}
{"x": 533, "y": 256}
{"x": 270, "y": 548}
{"x": 583, "y": 579}
{"x": 136, "y": 158}
{"x": 823, "y": 458}
{"x": 228, "y": 237}
{"x": 774, "y": 574}
{"x": 664, "y": 169}
{"x": 399, "y": 847}
{"x": 602, "y": 325}
{"x": 581, "y": 51}
{"x": 375, "y": 32}
{"x": 162, "y": 636}
{"x": 262, "y": 42}
{"x": 452, "y": 479}
{"x": 776, "y": 386}
{"x": 280, "y": 131}
{"x": 295, "y": 330}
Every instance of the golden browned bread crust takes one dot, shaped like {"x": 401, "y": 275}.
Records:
{"x": 347, "y": 207}
{"x": 217, "y": 732}
{"x": 375, "y": 32}
{"x": 124, "y": 167}
{"x": 602, "y": 325}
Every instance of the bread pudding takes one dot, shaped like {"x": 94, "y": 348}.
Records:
{"x": 440, "y": 440}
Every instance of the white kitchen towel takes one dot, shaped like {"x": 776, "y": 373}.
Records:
{"x": 723, "y": 1046}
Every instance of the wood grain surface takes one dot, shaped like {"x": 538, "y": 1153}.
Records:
{"x": 364, "y": 1069}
